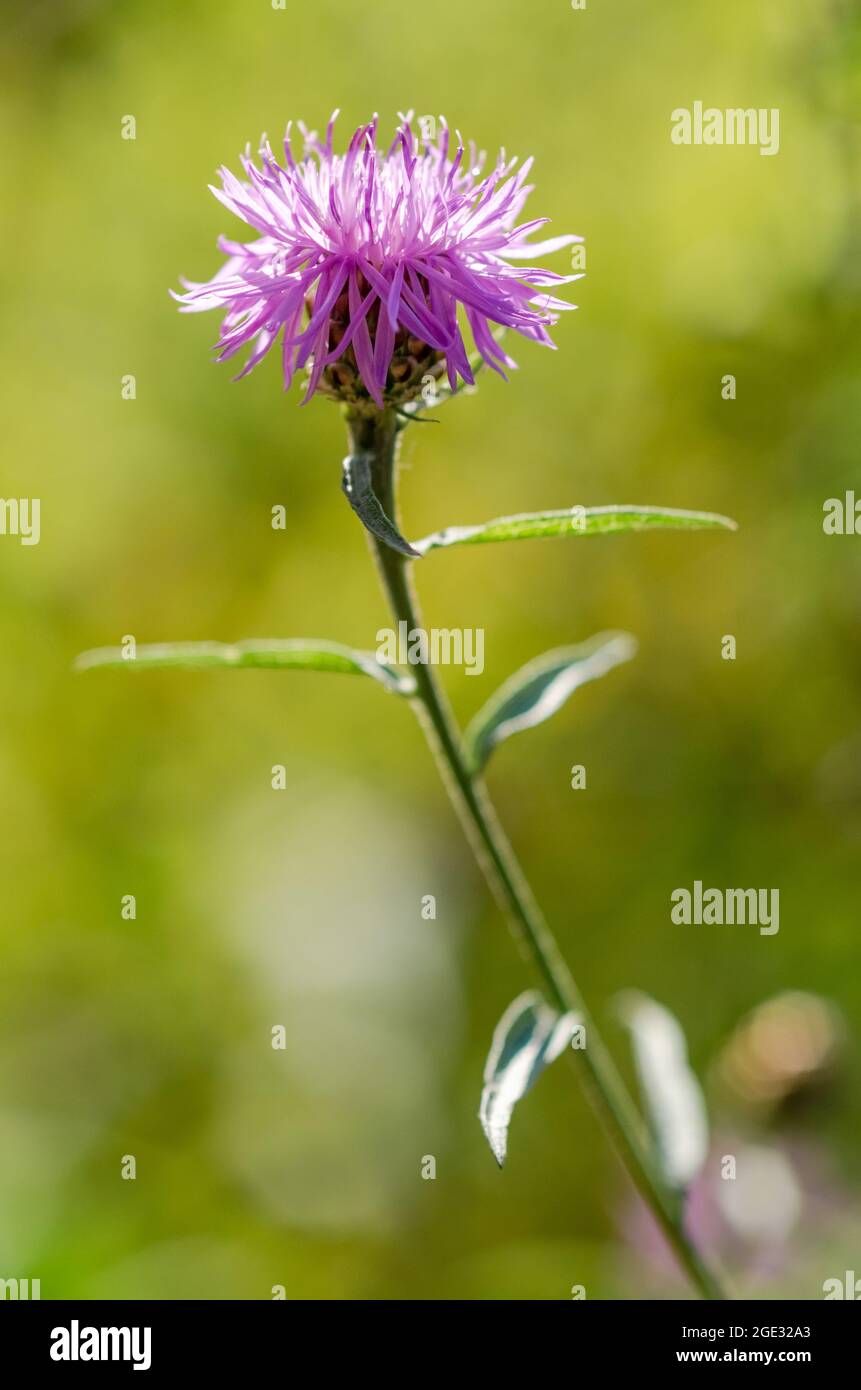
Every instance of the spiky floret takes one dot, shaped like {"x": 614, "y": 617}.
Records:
{"x": 367, "y": 263}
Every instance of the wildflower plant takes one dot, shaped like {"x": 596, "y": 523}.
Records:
{"x": 366, "y": 269}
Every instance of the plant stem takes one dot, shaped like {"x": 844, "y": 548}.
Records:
{"x": 377, "y": 435}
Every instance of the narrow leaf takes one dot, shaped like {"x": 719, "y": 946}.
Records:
{"x": 271, "y": 655}
{"x": 539, "y": 689}
{"x": 360, "y": 494}
{"x": 575, "y": 521}
{"x": 529, "y": 1036}
{"x": 671, "y": 1092}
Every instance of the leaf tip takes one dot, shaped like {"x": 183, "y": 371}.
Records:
{"x": 497, "y": 1141}
{"x": 717, "y": 521}
{"x": 88, "y": 660}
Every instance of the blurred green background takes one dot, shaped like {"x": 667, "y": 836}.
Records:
{"x": 303, "y": 1167}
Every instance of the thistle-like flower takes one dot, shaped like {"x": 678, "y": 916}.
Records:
{"x": 364, "y": 260}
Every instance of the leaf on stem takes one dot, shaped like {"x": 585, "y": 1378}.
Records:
{"x": 575, "y": 521}
{"x": 672, "y": 1095}
{"x": 540, "y": 688}
{"x": 529, "y": 1036}
{"x": 299, "y": 653}
{"x": 358, "y": 489}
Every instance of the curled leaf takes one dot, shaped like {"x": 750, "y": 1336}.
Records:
{"x": 540, "y": 688}
{"x": 359, "y": 491}
{"x": 529, "y": 1036}
{"x": 298, "y": 653}
{"x": 575, "y": 521}
{"x": 672, "y": 1095}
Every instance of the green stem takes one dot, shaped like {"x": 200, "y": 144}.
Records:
{"x": 377, "y": 435}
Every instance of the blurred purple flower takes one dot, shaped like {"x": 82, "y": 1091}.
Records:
{"x": 779, "y": 1218}
{"x": 380, "y": 249}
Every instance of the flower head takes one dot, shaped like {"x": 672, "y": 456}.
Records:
{"x": 363, "y": 261}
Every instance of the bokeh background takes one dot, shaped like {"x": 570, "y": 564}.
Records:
{"x": 302, "y": 1167}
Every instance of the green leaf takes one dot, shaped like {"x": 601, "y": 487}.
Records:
{"x": 529, "y": 1036}
{"x": 359, "y": 491}
{"x": 539, "y": 689}
{"x": 672, "y": 1096}
{"x": 270, "y": 655}
{"x": 575, "y": 521}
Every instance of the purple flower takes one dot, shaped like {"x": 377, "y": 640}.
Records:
{"x": 363, "y": 260}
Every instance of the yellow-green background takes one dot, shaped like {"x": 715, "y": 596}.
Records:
{"x": 151, "y": 1038}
